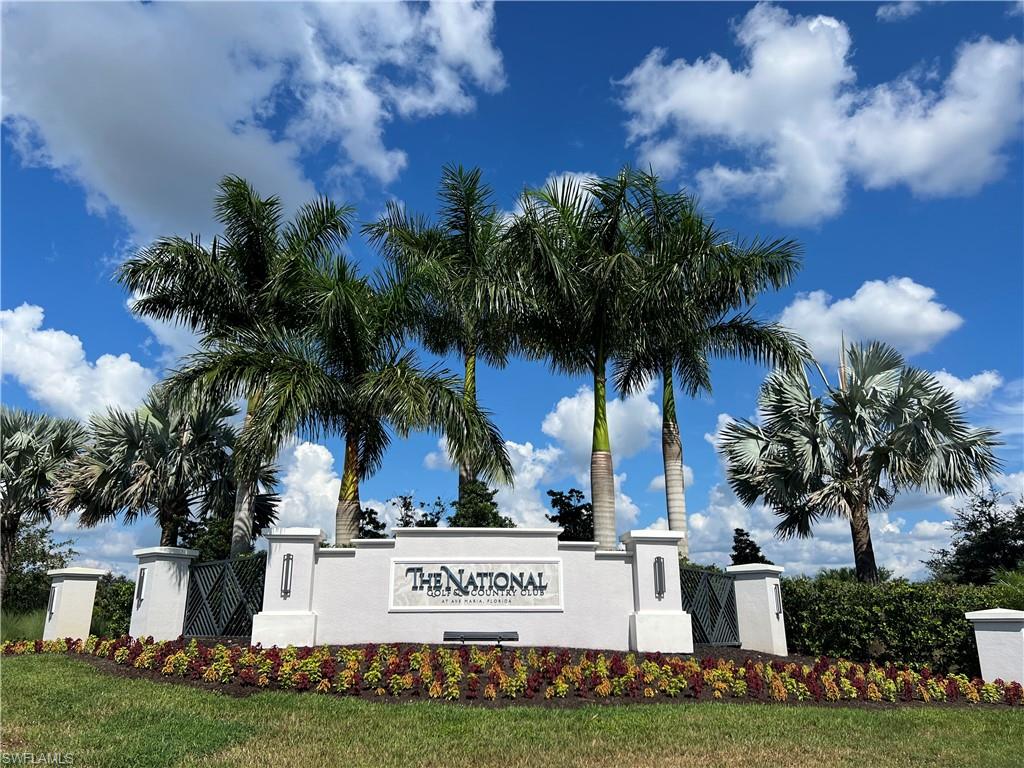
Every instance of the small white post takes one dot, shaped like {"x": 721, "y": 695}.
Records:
{"x": 759, "y": 607}
{"x": 1000, "y": 636}
{"x": 69, "y": 610}
{"x": 658, "y": 621}
{"x": 161, "y": 591}
{"x": 287, "y": 617}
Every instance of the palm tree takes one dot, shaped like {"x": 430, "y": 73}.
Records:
{"x": 885, "y": 428}
{"x": 226, "y": 289}
{"x": 34, "y": 448}
{"x": 574, "y": 242}
{"x": 468, "y": 289}
{"x": 690, "y": 305}
{"x": 162, "y": 461}
{"x": 338, "y": 366}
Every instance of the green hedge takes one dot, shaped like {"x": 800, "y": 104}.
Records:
{"x": 912, "y": 622}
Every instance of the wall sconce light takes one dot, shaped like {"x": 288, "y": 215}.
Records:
{"x": 286, "y": 576}
{"x": 659, "y": 577}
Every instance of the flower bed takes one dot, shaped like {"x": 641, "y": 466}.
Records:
{"x": 475, "y": 673}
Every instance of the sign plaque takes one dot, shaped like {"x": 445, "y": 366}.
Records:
{"x": 456, "y": 584}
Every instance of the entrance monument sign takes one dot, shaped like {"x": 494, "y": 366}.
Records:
{"x": 428, "y": 581}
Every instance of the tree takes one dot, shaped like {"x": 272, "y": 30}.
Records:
{"x": 112, "y": 610}
{"x": 161, "y": 460}
{"x": 468, "y": 298}
{"x": 572, "y": 241}
{"x": 476, "y": 508}
{"x": 335, "y": 363}
{"x": 690, "y": 305}
{"x": 745, "y": 550}
{"x": 34, "y": 448}
{"x": 988, "y": 537}
{"x": 884, "y": 429}
{"x": 574, "y": 515}
{"x": 211, "y": 533}
{"x": 27, "y": 587}
{"x": 411, "y": 517}
{"x": 228, "y": 289}
{"x": 371, "y": 526}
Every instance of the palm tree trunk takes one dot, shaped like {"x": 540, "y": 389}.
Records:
{"x": 241, "y": 527}
{"x": 863, "y": 552}
{"x": 672, "y": 456}
{"x": 602, "y": 473}
{"x": 8, "y": 540}
{"x": 467, "y": 473}
{"x": 169, "y": 530}
{"x": 346, "y": 516}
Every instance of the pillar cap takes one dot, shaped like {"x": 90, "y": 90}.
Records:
{"x": 167, "y": 552}
{"x": 754, "y": 569}
{"x": 77, "y": 572}
{"x": 294, "y": 534}
{"x": 652, "y": 536}
{"x": 995, "y": 614}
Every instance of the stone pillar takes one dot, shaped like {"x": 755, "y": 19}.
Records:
{"x": 759, "y": 607}
{"x": 69, "y": 610}
{"x": 658, "y": 621}
{"x": 287, "y": 617}
{"x": 1000, "y": 636}
{"x": 161, "y": 590}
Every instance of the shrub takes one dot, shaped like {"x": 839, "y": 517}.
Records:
{"x": 910, "y": 622}
{"x": 112, "y": 611}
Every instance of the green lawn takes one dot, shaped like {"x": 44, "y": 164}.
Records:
{"x": 61, "y": 704}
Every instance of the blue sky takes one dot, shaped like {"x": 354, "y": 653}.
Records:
{"x": 887, "y": 139}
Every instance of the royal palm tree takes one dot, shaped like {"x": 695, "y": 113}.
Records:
{"x": 226, "y": 288}
{"x": 34, "y": 448}
{"x": 161, "y": 460}
{"x": 469, "y": 295}
{"x": 573, "y": 240}
{"x": 691, "y": 305}
{"x": 338, "y": 366}
{"x": 885, "y": 428}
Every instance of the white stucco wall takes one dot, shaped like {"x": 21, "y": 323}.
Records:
{"x": 758, "y": 609}
{"x": 1000, "y": 636}
{"x": 158, "y": 604}
{"x": 69, "y": 607}
{"x": 350, "y": 590}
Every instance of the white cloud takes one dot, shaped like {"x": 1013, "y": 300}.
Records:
{"x": 972, "y": 390}
{"x": 713, "y": 438}
{"x": 309, "y": 488}
{"x": 897, "y": 11}
{"x": 632, "y": 424}
{"x": 803, "y": 128}
{"x": 440, "y": 459}
{"x": 897, "y": 310}
{"x": 526, "y": 502}
{"x": 658, "y": 481}
{"x": 147, "y": 106}
{"x": 53, "y": 368}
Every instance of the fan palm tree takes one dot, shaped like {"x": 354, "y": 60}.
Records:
{"x": 690, "y": 305}
{"x": 160, "y": 460}
{"x": 34, "y": 448}
{"x": 338, "y": 366}
{"x": 469, "y": 292}
{"x": 573, "y": 240}
{"x": 225, "y": 289}
{"x": 885, "y": 428}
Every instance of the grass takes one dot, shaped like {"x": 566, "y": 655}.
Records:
{"x": 61, "y": 704}
{"x": 22, "y": 626}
